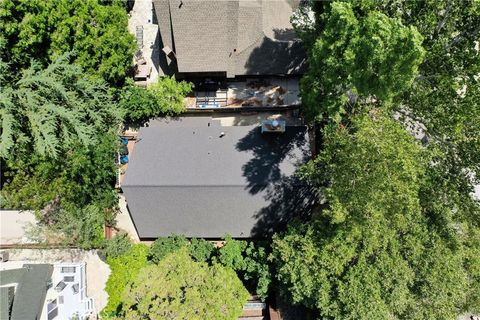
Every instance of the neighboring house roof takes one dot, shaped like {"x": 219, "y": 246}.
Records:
{"x": 184, "y": 178}
{"x": 6, "y": 300}
{"x": 31, "y": 289}
{"x": 239, "y": 37}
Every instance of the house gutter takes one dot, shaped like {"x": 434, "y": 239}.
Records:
{"x": 241, "y": 109}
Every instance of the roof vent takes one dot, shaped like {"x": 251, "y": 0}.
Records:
{"x": 222, "y": 134}
{"x": 273, "y": 126}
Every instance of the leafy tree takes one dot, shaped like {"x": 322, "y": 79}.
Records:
{"x": 124, "y": 270}
{"x": 443, "y": 98}
{"x": 257, "y": 272}
{"x": 166, "y": 97}
{"x": 44, "y": 30}
{"x": 374, "y": 253}
{"x": 49, "y": 111}
{"x": 81, "y": 226}
{"x": 59, "y": 144}
{"x": 137, "y": 103}
{"x": 84, "y": 176}
{"x": 201, "y": 250}
{"x": 180, "y": 288}
{"x": 250, "y": 263}
{"x": 358, "y": 58}
{"x": 74, "y": 195}
{"x": 400, "y": 228}
{"x": 231, "y": 255}
{"x": 163, "y": 246}
{"x": 169, "y": 95}
{"x": 387, "y": 56}
{"x": 119, "y": 245}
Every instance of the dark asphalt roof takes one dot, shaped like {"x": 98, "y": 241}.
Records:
{"x": 31, "y": 289}
{"x": 198, "y": 156}
{"x": 232, "y": 36}
{"x": 6, "y": 299}
{"x": 11, "y": 276}
{"x": 186, "y": 179}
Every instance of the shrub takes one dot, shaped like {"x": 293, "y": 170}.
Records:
{"x": 45, "y": 29}
{"x": 258, "y": 269}
{"x": 163, "y": 246}
{"x": 169, "y": 94}
{"x": 82, "y": 227}
{"x": 180, "y": 288}
{"x": 231, "y": 254}
{"x": 250, "y": 263}
{"x": 166, "y": 97}
{"x": 124, "y": 269}
{"x": 201, "y": 250}
{"x": 117, "y": 246}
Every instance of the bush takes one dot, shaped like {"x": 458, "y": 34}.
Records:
{"x": 117, "y": 246}
{"x": 124, "y": 269}
{"x": 170, "y": 94}
{"x": 248, "y": 260}
{"x": 163, "y": 98}
{"x": 250, "y": 263}
{"x": 163, "y": 246}
{"x": 201, "y": 250}
{"x": 45, "y": 29}
{"x": 82, "y": 227}
{"x": 180, "y": 288}
{"x": 231, "y": 254}
{"x": 258, "y": 269}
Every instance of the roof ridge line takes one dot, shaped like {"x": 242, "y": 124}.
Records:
{"x": 253, "y": 43}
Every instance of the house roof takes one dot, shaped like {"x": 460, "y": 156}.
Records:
{"x": 6, "y": 299}
{"x": 239, "y": 37}
{"x": 186, "y": 178}
{"x": 31, "y": 290}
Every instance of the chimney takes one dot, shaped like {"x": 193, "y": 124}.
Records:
{"x": 169, "y": 52}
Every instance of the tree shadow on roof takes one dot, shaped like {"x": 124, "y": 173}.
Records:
{"x": 285, "y": 34}
{"x": 272, "y": 57}
{"x": 288, "y": 199}
{"x": 271, "y": 152}
{"x": 287, "y": 196}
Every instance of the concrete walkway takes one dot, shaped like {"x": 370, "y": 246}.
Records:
{"x": 16, "y": 227}
{"x": 124, "y": 221}
{"x": 142, "y": 16}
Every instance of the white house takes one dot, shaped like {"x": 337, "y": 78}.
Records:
{"x": 67, "y": 296}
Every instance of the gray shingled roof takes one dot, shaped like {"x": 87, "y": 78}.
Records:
{"x": 31, "y": 290}
{"x": 6, "y": 299}
{"x": 183, "y": 178}
{"x": 239, "y": 37}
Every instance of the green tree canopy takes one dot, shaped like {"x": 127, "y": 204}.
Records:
{"x": 164, "y": 98}
{"x": 60, "y": 190}
{"x": 374, "y": 253}
{"x": 49, "y": 111}
{"x": 59, "y": 143}
{"x": 358, "y": 58}
{"x": 180, "y": 288}
{"x": 124, "y": 270}
{"x": 45, "y": 29}
{"x": 165, "y": 245}
{"x": 443, "y": 97}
